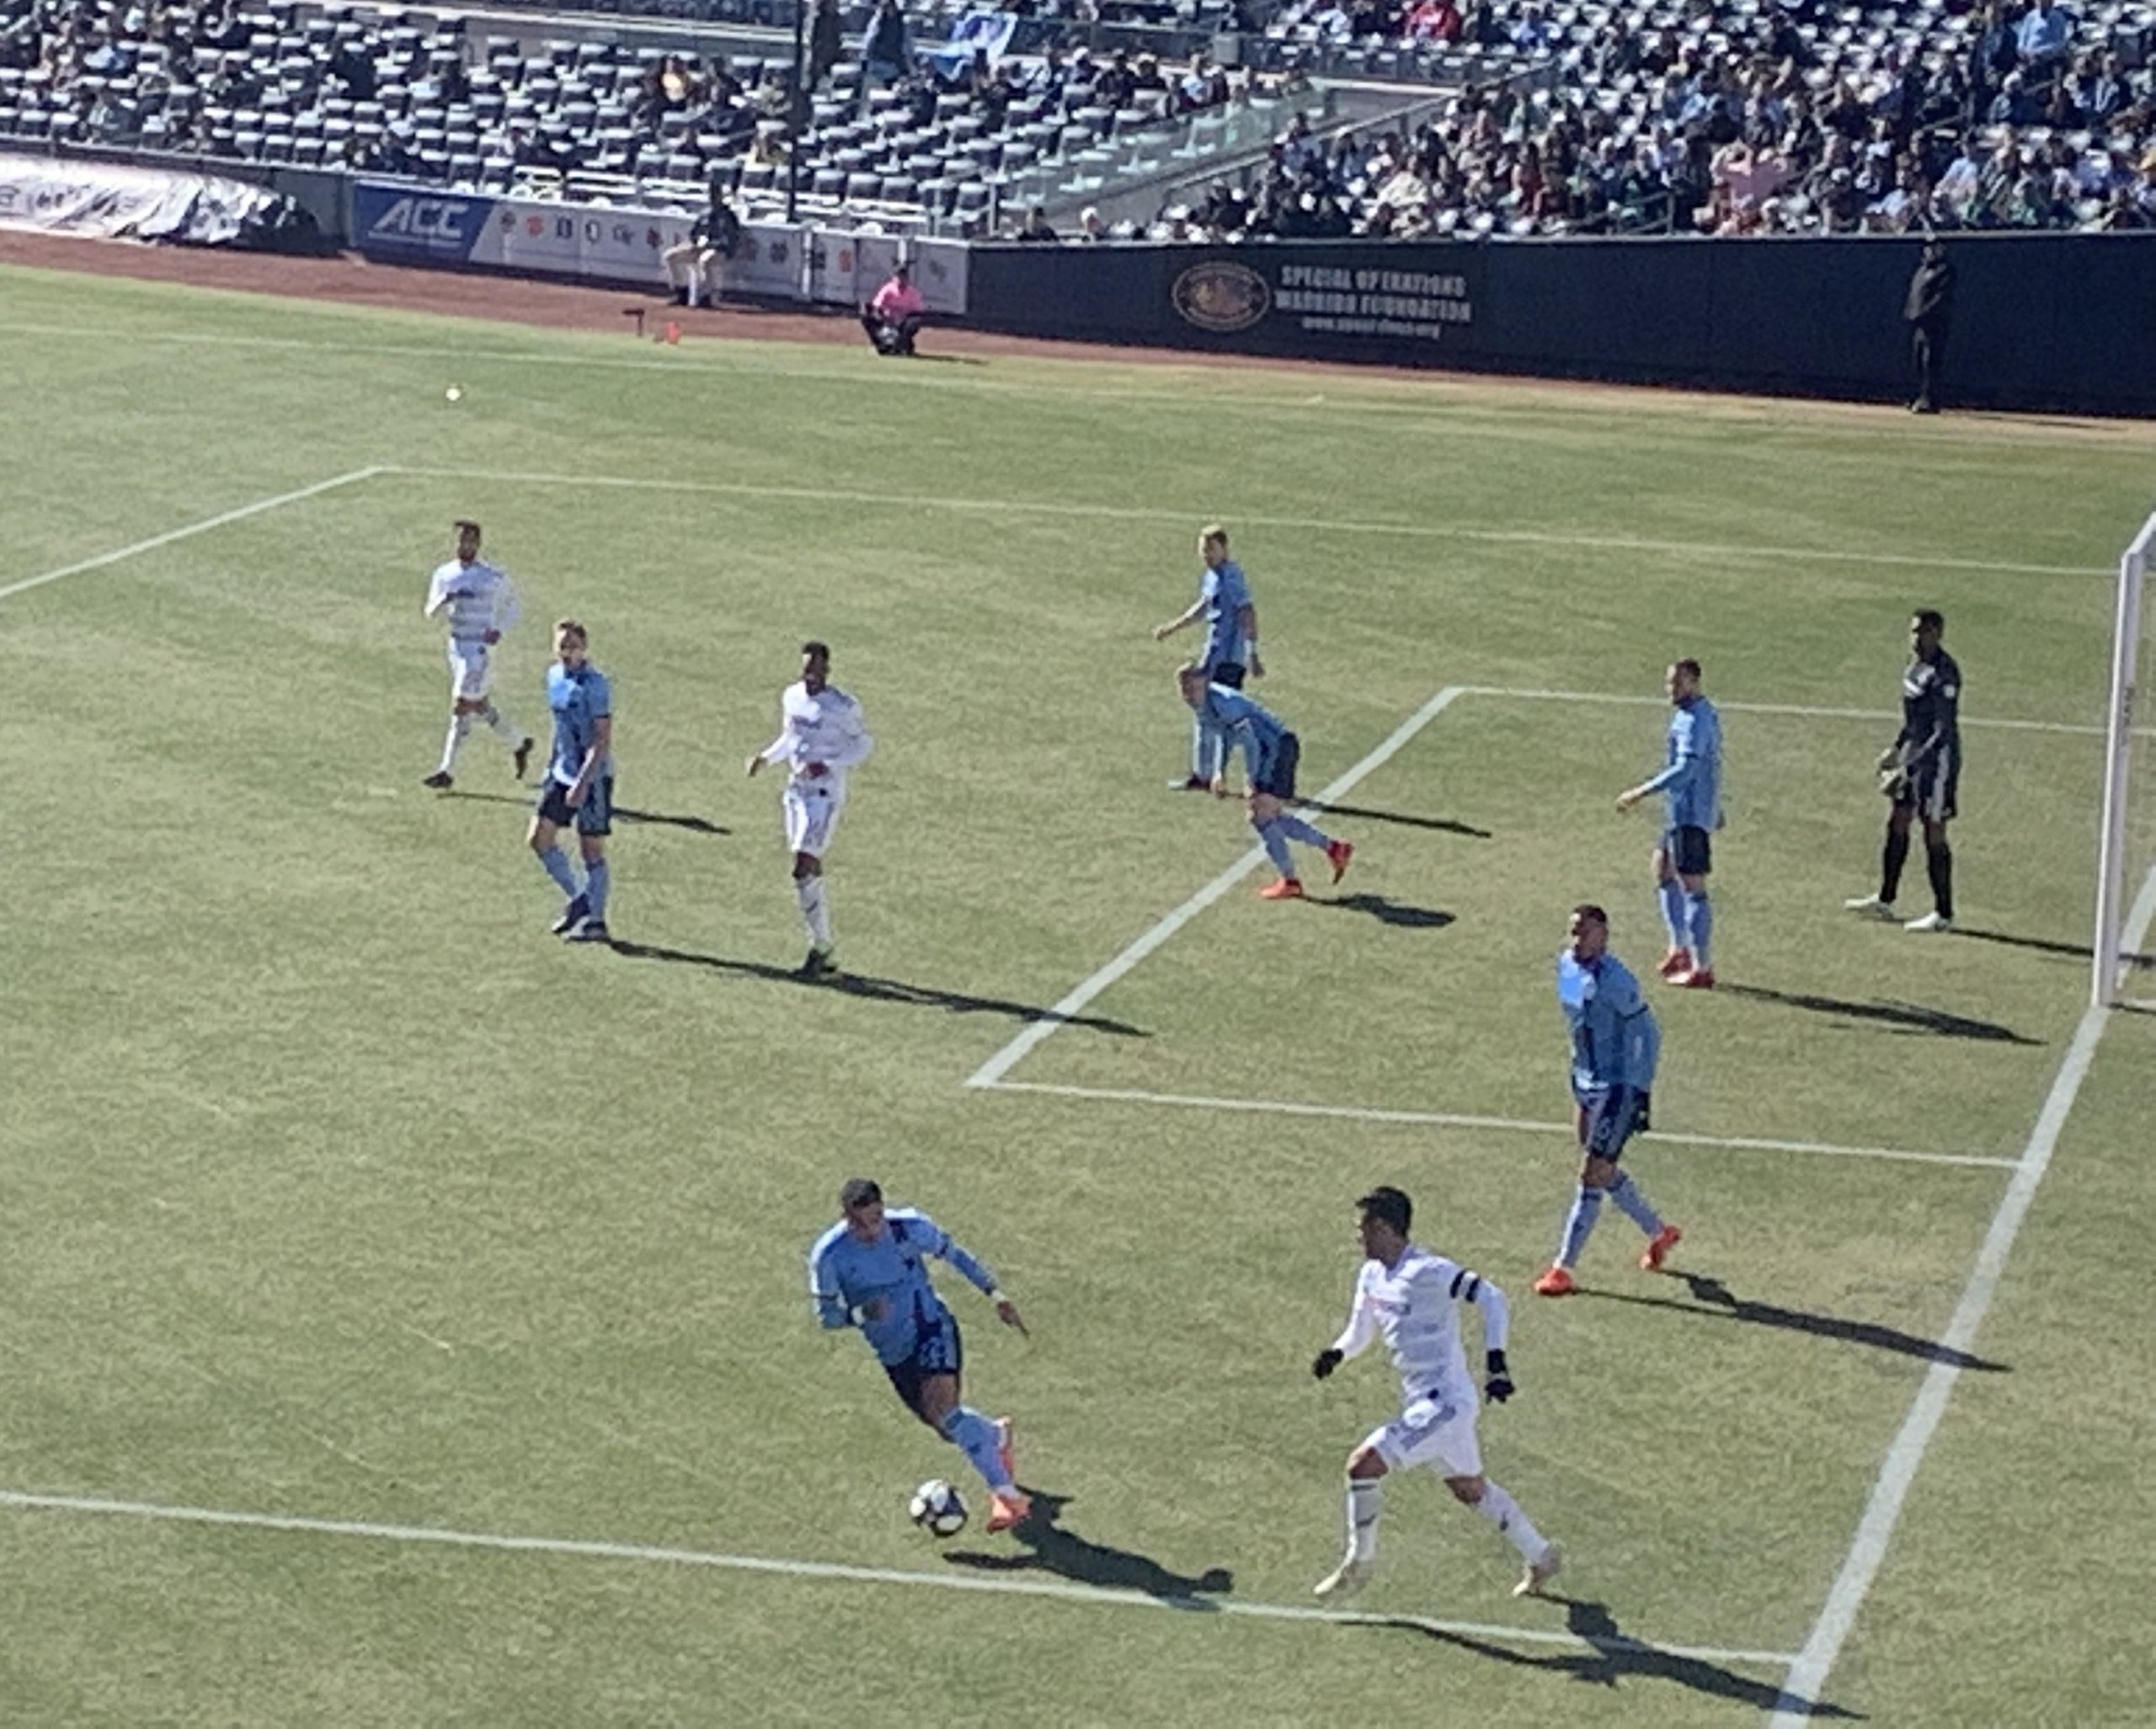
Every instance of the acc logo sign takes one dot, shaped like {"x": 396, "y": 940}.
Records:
{"x": 1221, "y": 295}
{"x": 430, "y": 219}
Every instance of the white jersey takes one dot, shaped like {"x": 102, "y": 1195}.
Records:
{"x": 825, "y": 728}
{"x": 476, "y": 598}
{"x": 1414, "y": 1307}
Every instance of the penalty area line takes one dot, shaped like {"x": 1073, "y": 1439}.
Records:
{"x": 220, "y": 520}
{"x": 1016, "y": 1052}
{"x": 1063, "y": 1591}
{"x": 1510, "y": 1125}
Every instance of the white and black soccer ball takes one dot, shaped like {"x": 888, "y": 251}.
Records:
{"x": 936, "y": 1509}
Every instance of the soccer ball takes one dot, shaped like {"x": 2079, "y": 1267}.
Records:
{"x": 937, "y": 1509}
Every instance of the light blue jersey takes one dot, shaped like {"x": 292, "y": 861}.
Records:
{"x": 846, "y": 1274}
{"x": 579, "y": 699}
{"x": 1225, "y": 593}
{"x": 1690, "y": 784}
{"x": 1615, "y": 1039}
{"x": 1257, "y": 728}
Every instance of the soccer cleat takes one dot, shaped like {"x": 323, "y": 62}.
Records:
{"x": 817, "y": 965}
{"x": 1287, "y": 888}
{"x": 523, "y": 757}
{"x": 1003, "y": 1429}
{"x": 1191, "y": 783}
{"x": 1694, "y": 978}
{"x": 1871, "y": 906}
{"x": 591, "y": 930}
{"x": 1540, "y": 1571}
{"x": 1931, "y": 924}
{"x": 1346, "y": 1579}
{"x": 1341, "y": 854}
{"x": 440, "y": 779}
{"x": 1678, "y": 960}
{"x": 573, "y": 915}
{"x": 1008, "y": 1508}
{"x": 1556, "y": 1283}
{"x": 1657, "y": 1251}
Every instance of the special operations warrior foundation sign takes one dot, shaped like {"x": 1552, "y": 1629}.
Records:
{"x": 1224, "y": 296}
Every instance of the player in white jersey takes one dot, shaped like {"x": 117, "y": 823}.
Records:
{"x": 821, "y": 738}
{"x": 1411, "y": 1299}
{"x": 480, "y": 603}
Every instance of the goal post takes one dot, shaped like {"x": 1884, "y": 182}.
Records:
{"x": 2126, "y": 864}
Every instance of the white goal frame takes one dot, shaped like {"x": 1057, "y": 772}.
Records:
{"x": 2113, "y": 891}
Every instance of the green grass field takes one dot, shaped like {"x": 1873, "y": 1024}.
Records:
{"x": 335, "y": 1190}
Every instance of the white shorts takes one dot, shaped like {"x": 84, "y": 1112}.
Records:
{"x": 471, "y": 670}
{"x": 812, "y": 815}
{"x": 1429, "y": 1433}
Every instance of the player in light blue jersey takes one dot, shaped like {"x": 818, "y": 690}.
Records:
{"x": 1690, "y": 785}
{"x": 1230, "y": 652}
{"x": 1272, "y": 752}
{"x": 579, "y": 788}
{"x": 870, "y": 1271}
{"x": 1615, "y": 1045}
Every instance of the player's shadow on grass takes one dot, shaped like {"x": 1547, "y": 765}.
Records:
{"x": 622, "y": 813}
{"x": 875, "y": 990}
{"x": 1903, "y": 1017}
{"x": 1391, "y": 912}
{"x": 1713, "y": 1298}
{"x": 1615, "y": 1657}
{"x": 1050, "y": 1549}
{"x": 1364, "y": 813}
{"x": 2045, "y": 944}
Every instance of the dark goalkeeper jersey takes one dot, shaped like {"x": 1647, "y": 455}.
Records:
{"x": 1931, "y": 709}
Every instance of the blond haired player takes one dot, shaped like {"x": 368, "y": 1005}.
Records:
{"x": 480, "y": 603}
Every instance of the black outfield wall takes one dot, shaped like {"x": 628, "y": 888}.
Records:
{"x": 2063, "y": 322}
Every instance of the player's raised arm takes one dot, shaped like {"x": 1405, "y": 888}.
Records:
{"x": 1354, "y": 1338}
{"x": 1182, "y": 620}
{"x": 1472, "y": 1287}
{"x": 941, "y": 1245}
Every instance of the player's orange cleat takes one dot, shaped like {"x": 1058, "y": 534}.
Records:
{"x": 1658, "y": 1251}
{"x": 1003, "y": 1428}
{"x": 1287, "y": 888}
{"x": 1694, "y": 978}
{"x": 1556, "y": 1283}
{"x": 1341, "y": 853}
{"x": 1678, "y": 960}
{"x": 1008, "y": 1508}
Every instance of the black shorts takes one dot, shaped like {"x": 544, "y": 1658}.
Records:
{"x": 594, "y": 816}
{"x": 1614, "y": 1114}
{"x": 1230, "y": 672}
{"x": 1278, "y": 777}
{"x": 1691, "y": 850}
{"x": 939, "y": 1350}
{"x": 1930, "y": 790}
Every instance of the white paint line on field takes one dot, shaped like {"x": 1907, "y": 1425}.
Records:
{"x": 1801, "y": 1690}
{"x": 1010, "y": 505}
{"x": 1800, "y": 710}
{"x": 257, "y": 509}
{"x": 1507, "y": 1125}
{"x": 997, "y": 1066}
{"x": 999, "y": 1584}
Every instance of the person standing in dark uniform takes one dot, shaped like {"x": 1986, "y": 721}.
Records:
{"x": 1921, "y": 772}
{"x": 1930, "y": 314}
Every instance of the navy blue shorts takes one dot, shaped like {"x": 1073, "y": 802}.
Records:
{"x": 1691, "y": 851}
{"x": 1932, "y": 790}
{"x": 1614, "y": 1114}
{"x": 1278, "y": 777}
{"x": 1230, "y": 672}
{"x": 594, "y": 816}
{"x": 939, "y": 1350}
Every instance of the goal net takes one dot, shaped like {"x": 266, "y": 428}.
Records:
{"x": 2126, "y": 871}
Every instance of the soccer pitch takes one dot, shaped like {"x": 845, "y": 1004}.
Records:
{"x": 406, "y": 1312}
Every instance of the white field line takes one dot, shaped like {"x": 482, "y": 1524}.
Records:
{"x": 997, "y": 1066}
{"x": 1796, "y": 709}
{"x": 1807, "y": 1676}
{"x": 1510, "y": 1125}
{"x": 204, "y": 526}
{"x": 993, "y": 1583}
{"x": 1414, "y": 531}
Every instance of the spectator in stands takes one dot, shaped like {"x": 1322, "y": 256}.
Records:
{"x": 702, "y": 258}
{"x": 887, "y": 48}
{"x": 1090, "y": 228}
{"x": 1930, "y": 314}
{"x": 826, "y": 41}
{"x": 2042, "y": 34}
{"x": 893, "y": 318}
{"x": 1035, "y": 227}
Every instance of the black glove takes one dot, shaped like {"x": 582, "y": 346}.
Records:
{"x": 1325, "y": 1362}
{"x": 1642, "y": 1121}
{"x": 1499, "y": 1386}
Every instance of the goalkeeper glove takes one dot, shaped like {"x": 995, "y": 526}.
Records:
{"x": 1499, "y": 1386}
{"x": 1325, "y": 1362}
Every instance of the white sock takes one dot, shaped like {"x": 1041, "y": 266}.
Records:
{"x": 1498, "y": 1507}
{"x": 499, "y": 722}
{"x": 459, "y": 729}
{"x": 815, "y": 914}
{"x": 1365, "y": 1495}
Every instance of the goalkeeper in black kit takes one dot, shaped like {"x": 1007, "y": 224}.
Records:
{"x": 1920, "y": 771}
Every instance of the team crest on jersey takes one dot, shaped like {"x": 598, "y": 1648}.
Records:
{"x": 1221, "y": 295}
